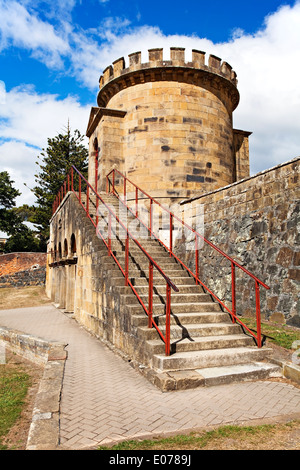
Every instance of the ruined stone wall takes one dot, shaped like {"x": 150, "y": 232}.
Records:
{"x": 22, "y": 269}
{"x": 256, "y": 222}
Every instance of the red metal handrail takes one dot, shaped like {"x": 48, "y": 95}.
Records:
{"x": 69, "y": 183}
{"x": 234, "y": 263}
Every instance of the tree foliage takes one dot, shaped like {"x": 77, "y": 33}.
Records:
{"x": 63, "y": 151}
{"x": 8, "y": 195}
{"x": 23, "y": 239}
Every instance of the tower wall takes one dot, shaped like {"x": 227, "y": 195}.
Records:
{"x": 168, "y": 124}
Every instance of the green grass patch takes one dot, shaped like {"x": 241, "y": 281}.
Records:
{"x": 197, "y": 441}
{"x": 282, "y": 335}
{"x": 14, "y": 385}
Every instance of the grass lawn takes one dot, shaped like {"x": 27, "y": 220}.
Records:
{"x": 265, "y": 437}
{"x": 19, "y": 382}
{"x": 14, "y": 385}
{"x": 281, "y": 335}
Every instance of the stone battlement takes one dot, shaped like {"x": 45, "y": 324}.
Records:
{"x": 120, "y": 76}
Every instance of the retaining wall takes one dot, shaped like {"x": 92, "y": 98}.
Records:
{"x": 256, "y": 221}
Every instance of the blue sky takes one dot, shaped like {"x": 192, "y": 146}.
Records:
{"x": 52, "y": 54}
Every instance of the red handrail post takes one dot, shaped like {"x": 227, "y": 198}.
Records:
{"x": 258, "y": 316}
{"x": 151, "y": 216}
{"x": 68, "y": 181}
{"x": 109, "y": 234}
{"x": 96, "y": 170}
{"x": 168, "y": 320}
{"x": 87, "y": 199}
{"x": 65, "y": 188}
{"x": 107, "y": 184}
{"x": 171, "y": 234}
{"x": 124, "y": 184}
{"x": 97, "y": 206}
{"x": 196, "y": 259}
{"x": 136, "y": 202}
{"x": 113, "y": 182}
{"x": 233, "y": 296}
{"x": 126, "y": 260}
{"x": 79, "y": 189}
{"x": 72, "y": 180}
{"x": 150, "y": 296}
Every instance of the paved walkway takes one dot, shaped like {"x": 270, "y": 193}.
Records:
{"x": 104, "y": 399}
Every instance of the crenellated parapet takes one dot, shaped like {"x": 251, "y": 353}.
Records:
{"x": 212, "y": 73}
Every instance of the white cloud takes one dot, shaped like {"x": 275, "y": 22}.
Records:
{"x": 31, "y": 118}
{"x": 267, "y": 64}
{"x": 268, "y": 68}
{"x": 2, "y": 92}
{"x": 26, "y": 121}
{"x": 22, "y": 29}
{"x": 19, "y": 160}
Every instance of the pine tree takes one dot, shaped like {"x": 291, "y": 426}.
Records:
{"x": 63, "y": 151}
{"x": 21, "y": 238}
{"x": 8, "y": 195}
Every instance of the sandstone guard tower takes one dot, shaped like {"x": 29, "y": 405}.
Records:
{"x": 167, "y": 125}
{"x": 165, "y": 128}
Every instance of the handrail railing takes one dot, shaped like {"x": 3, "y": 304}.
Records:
{"x": 172, "y": 217}
{"x": 67, "y": 186}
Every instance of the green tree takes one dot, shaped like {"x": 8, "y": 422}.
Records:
{"x": 23, "y": 239}
{"x": 11, "y": 219}
{"x": 8, "y": 194}
{"x": 63, "y": 151}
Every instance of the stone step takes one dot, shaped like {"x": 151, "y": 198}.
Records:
{"x": 159, "y": 296}
{"x": 190, "y": 360}
{"x": 161, "y": 289}
{"x": 139, "y": 257}
{"x": 191, "y": 331}
{"x": 135, "y": 273}
{"x": 134, "y": 248}
{"x": 157, "y": 346}
{"x": 142, "y": 282}
{"x": 212, "y": 376}
{"x": 239, "y": 372}
{"x": 194, "y": 307}
{"x": 177, "y": 297}
{"x": 142, "y": 269}
{"x": 142, "y": 262}
{"x": 182, "y": 319}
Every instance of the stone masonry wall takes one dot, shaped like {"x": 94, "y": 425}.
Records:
{"x": 256, "y": 222}
{"x": 22, "y": 269}
{"x": 85, "y": 287}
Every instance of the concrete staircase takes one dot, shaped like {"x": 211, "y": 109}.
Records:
{"x": 206, "y": 347}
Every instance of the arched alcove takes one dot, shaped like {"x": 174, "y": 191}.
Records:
{"x": 59, "y": 251}
{"x": 73, "y": 244}
{"x": 65, "y": 248}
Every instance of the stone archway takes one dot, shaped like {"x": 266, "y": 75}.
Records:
{"x": 71, "y": 275}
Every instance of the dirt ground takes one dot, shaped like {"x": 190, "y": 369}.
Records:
{"x": 22, "y": 297}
